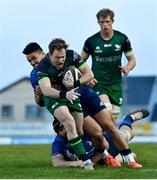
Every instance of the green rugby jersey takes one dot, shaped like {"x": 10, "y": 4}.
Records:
{"x": 46, "y": 69}
{"x": 106, "y": 56}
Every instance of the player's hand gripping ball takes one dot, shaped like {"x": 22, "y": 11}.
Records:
{"x": 71, "y": 75}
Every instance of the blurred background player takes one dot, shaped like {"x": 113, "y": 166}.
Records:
{"x": 106, "y": 48}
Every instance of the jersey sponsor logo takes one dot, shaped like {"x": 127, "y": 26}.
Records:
{"x": 107, "y": 45}
{"x": 108, "y": 59}
{"x": 118, "y": 47}
{"x": 97, "y": 47}
{"x": 97, "y": 50}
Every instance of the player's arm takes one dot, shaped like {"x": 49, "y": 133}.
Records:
{"x": 127, "y": 49}
{"x": 45, "y": 86}
{"x": 37, "y": 95}
{"x": 51, "y": 92}
{"x": 86, "y": 50}
{"x": 59, "y": 161}
{"x": 87, "y": 74}
{"x": 84, "y": 55}
{"x": 131, "y": 64}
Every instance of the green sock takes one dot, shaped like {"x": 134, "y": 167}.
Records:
{"x": 77, "y": 145}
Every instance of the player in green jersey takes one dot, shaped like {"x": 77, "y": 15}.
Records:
{"x": 64, "y": 105}
{"x": 106, "y": 48}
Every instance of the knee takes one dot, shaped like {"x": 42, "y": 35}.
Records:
{"x": 98, "y": 135}
{"x": 68, "y": 121}
{"x": 80, "y": 132}
{"x": 115, "y": 112}
{"x": 110, "y": 127}
{"x": 107, "y": 123}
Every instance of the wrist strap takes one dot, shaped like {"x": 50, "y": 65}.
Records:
{"x": 77, "y": 83}
{"x": 62, "y": 94}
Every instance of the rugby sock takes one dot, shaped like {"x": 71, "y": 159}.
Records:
{"x": 127, "y": 154}
{"x": 127, "y": 121}
{"x": 103, "y": 152}
{"x": 77, "y": 145}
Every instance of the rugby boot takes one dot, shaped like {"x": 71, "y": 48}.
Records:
{"x": 134, "y": 164}
{"x": 88, "y": 165}
{"x": 111, "y": 162}
{"x": 139, "y": 114}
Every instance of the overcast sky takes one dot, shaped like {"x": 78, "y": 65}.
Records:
{"x": 24, "y": 21}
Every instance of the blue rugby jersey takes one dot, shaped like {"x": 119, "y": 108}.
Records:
{"x": 33, "y": 78}
{"x": 61, "y": 146}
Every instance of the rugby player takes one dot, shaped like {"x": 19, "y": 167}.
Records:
{"x": 59, "y": 102}
{"x": 106, "y": 48}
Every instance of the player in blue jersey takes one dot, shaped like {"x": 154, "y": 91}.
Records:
{"x": 63, "y": 156}
{"x": 34, "y": 53}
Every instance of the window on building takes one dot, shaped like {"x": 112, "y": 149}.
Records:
{"x": 33, "y": 111}
{"x": 7, "y": 111}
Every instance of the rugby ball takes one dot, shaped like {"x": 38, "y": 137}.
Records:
{"x": 71, "y": 75}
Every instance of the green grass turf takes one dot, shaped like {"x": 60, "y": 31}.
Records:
{"x": 34, "y": 161}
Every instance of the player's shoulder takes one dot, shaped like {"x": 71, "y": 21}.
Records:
{"x": 69, "y": 53}
{"x": 73, "y": 56}
{"x": 94, "y": 36}
{"x": 33, "y": 72}
{"x": 44, "y": 63}
{"x": 58, "y": 140}
{"x": 119, "y": 33}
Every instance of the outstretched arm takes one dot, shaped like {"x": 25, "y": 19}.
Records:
{"x": 59, "y": 161}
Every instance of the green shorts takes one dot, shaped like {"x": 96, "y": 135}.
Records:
{"x": 114, "y": 92}
{"x": 52, "y": 104}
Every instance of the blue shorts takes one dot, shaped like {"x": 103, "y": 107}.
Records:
{"x": 90, "y": 101}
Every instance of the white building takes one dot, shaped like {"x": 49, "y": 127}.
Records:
{"x": 19, "y": 114}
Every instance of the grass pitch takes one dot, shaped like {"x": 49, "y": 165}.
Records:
{"x": 34, "y": 161}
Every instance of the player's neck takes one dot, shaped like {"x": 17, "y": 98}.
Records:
{"x": 106, "y": 35}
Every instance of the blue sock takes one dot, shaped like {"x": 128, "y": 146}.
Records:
{"x": 127, "y": 121}
{"x": 125, "y": 152}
